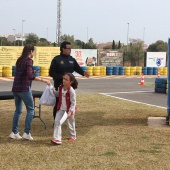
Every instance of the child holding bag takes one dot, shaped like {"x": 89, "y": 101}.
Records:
{"x": 65, "y": 109}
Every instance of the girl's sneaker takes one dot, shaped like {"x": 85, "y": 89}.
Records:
{"x": 55, "y": 141}
{"x": 72, "y": 139}
{"x": 15, "y": 136}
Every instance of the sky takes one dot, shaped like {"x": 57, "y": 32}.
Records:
{"x": 102, "y": 20}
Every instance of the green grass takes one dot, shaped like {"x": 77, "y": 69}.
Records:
{"x": 149, "y": 84}
{"x": 111, "y": 153}
{"x": 111, "y": 134}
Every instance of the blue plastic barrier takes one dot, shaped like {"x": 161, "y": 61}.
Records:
{"x": 121, "y": 70}
{"x": 115, "y": 71}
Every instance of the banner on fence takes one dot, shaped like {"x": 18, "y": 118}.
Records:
{"x": 9, "y": 55}
{"x": 44, "y": 55}
{"x": 85, "y": 57}
{"x": 156, "y": 59}
{"x": 110, "y": 58}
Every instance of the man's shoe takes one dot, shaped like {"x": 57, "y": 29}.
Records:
{"x": 55, "y": 141}
{"x": 72, "y": 139}
{"x": 27, "y": 136}
{"x": 15, "y": 136}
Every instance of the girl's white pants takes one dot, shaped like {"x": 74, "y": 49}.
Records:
{"x": 70, "y": 126}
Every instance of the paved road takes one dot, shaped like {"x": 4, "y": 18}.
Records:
{"x": 126, "y": 88}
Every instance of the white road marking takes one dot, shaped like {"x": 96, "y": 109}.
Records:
{"x": 109, "y": 95}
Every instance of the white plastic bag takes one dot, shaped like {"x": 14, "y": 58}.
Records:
{"x": 48, "y": 98}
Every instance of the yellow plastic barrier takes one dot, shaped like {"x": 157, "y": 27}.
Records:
{"x": 89, "y": 70}
{"x": 127, "y": 71}
{"x": 6, "y": 71}
{"x": 165, "y": 71}
{"x": 96, "y": 70}
{"x": 160, "y": 70}
{"x": 102, "y": 70}
{"x": 132, "y": 70}
{"x": 0, "y": 71}
{"x": 44, "y": 71}
{"x": 138, "y": 70}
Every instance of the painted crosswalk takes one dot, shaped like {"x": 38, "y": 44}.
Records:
{"x": 91, "y": 77}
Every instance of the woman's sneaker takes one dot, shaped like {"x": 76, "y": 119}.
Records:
{"x": 27, "y": 136}
{"x": 55, "y": 141}
{"x": 15, "y": 136}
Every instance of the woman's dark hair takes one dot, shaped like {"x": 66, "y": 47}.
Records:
{"x": 73, "y": 79}
{"x": 63, "y": 45}
{"x": 25, "y": 53}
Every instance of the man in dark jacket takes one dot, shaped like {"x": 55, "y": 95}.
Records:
{"x": 61, "y": 64}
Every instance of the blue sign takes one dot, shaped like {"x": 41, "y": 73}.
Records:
{"x": 158, "y": 62}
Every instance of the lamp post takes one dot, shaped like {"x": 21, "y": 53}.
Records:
{"x": 22, "y": 31}
{"x": 87, "y": 35}
{"x": 47, "y": 34}
{"x": 143, "y": 36}
{"x": 127, "y": 35}
{"x": 14, "y": 36}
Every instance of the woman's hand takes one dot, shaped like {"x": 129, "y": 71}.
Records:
{"x": 45, "y": 81}
{"x": 35, "y": 71}
{"x": 48, "y": 82}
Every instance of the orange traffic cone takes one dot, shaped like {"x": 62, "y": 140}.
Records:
{"x": 158, "y": 74}
{"x": 142, "y": 82}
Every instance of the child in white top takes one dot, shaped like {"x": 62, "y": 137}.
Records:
{"x": 65, "y": 109}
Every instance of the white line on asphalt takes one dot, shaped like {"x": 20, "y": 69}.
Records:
{"x": 107, "y": 94}
{"x": 129, "y": 92}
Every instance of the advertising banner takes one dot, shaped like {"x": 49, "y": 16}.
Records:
{"x": 110, "y": 58}
{"x": 9, "y": 55}
{"x": 44, "y": 55}
{"x": 85, "y": 57}
{"x": 156, "y": 59}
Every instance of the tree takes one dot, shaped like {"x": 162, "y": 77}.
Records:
{"x": 113, "y": 45}
{"x": 43, "y": 42}
{"x": 107, "y": 47}
{"x": 90, "y": 44}
{"x": 5, "y": 42}
{"x": 54, "y": 44}
{"x": 79, "y": 44}
{"x": 91, "y": 41}
{"x": 135, "y": 53}
{"x": 68, "y": 38}
{"x": 32, "y": 39}
{"x": 158, "y": 46}
{"x": 119, "y": 45}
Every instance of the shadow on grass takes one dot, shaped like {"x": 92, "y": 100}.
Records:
{"x": 91, "y": 119}
{"x": 84, "y": 122}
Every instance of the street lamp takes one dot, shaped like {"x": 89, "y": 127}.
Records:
{"x": 127, "y": 35}
{"x": 47, "y": 34}
{"x": 14, "y": 36}
{"x": 87, "y": 35}
{"x": 143, "y": 36}
{"x": 22, "y": 31}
